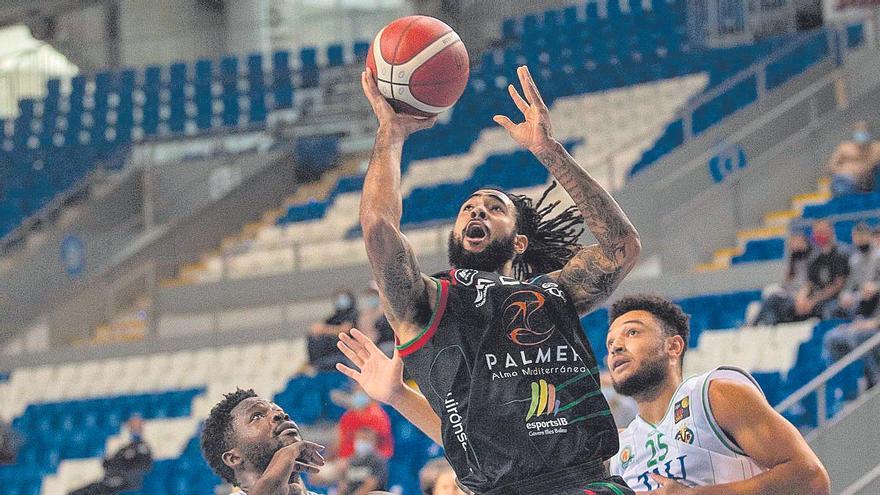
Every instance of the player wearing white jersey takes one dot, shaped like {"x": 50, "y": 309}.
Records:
{"x": 253, "y": 444}
{"x": 712, "y": 434}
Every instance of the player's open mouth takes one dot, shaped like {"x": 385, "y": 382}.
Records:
{"x": 286, "y": 428}
{"x": 475, "y": 232}
{"x": 619, "y": 364}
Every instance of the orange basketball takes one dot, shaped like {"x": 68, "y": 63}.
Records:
{"x": 420, "y": 64}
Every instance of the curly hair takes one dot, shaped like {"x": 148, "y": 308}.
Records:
{"x": 673, "y": 320}
{"x": 217, "y": 435}
{"x": 553, "y": 240}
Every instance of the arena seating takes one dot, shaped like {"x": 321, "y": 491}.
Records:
{"x": 582, "y": 61}
{"x": 744, "y": 93}
{"x": 70, "y": 414}
{"x": 55, "y": 142}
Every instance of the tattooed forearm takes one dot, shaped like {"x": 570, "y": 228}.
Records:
{"x": 601, "y": 213}
{"x": 400, "y": 280}
{"x": 590, "y": 277}
{"x": 593, "y": 274}
{"x": 393, "y": 263}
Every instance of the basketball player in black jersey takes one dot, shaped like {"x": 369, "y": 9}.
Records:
{"x": 495, "y": 344}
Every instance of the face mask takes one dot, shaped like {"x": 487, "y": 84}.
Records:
{"x": 820, "y": 239}
{"x": 372, "y": 301}
{"x": 360, "y": 400}
{"x": 861, "y": 137}
{"x": 363, "y": 447}
{"x": 864, "y": 247}
{"x": 135, "y": 437}
{"x": 342, "y": 302}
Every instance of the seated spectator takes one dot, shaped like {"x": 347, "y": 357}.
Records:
{"x": 800, "y": 252}
{"x": 367, "y": 470}
{"x": 853, "y": 164}
{"x": 860, "y": 290}
{"x": 372, "y": 321}
{"x": 10, "y": 442}
{"x": 323, "y": 354}
{"x": 125, "y": 470}
{"x": 438, "y": 478}
{"x": 841, "y": 340}
{"x": 364, "y": 413}
{"x": 827, "y": 272}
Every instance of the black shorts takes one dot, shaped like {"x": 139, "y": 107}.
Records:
{"x": 613, "y": 485}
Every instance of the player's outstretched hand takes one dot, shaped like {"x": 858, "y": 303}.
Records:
{"x": 380, "y": 377}
{"x": 535, "y": 133}
{"x": 400, "y": 125}
{"x": 306, "y": 456}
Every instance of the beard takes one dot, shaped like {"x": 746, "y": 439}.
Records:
{"x": 644, "y": 381}
{"x": 490, "y": 259}
{"x": 261, "y": 454}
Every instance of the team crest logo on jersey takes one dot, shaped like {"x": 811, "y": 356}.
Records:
{"x": 683, "y": 409}
{"x": 525, "y": 321}
{"x": 554, "y": 290}
{"x": 626, "y": 456}
{"x": 465, "y": 276}
{"x": 685, "y": 435}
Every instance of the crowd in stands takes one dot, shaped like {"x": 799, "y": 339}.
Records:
{"x": 365, "y": 313}
{"x": 831, "y": 280}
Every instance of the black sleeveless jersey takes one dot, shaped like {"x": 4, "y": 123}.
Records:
{"x": 506, "y": 366}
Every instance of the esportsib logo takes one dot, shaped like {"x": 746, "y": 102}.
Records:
{"x": 543, "y": 399}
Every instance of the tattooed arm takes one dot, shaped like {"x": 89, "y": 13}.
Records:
{"x": 595, "y": 271}
{"x": 407, "y": 294}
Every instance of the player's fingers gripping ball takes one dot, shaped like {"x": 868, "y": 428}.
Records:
{"x": 420, "y": 65}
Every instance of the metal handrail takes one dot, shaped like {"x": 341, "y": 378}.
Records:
{"x": 818, "y": 383}
{"x": 752, "y": 70}
{"x": 862, "y": 482}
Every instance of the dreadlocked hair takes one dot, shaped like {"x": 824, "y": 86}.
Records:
{"x": 217, "y": 435}
{"x": 553, "y": 240}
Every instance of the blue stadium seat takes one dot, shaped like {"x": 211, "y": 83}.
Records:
{"x": 308, "y": 70}
{"x": 204, "y": 100}
{"x": 335, "y": 56}
{"x": 282, "y": 80}
{"x": 229, "y": 81}
{"x": 257, "y": 89}
{"x": 360, "y": 51}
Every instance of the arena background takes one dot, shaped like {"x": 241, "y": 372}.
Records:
{"x": 179, "y": 183}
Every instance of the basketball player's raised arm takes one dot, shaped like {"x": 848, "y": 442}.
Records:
{"x": 772, "y": 442}
{"x": 381, "y": 378}
{"x": 595, "y": 271}
{"x": 403, "y": 287}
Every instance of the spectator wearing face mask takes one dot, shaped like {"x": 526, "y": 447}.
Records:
{"x": 323, "y": 354}
{"x": 858, "y": 296}
{"x": 372, "y": 321}
{"x": 853, "y": 164}
{"x": 367, "y": 470}
{"x": 827, "y": 272}
{"x": 765, "y": 312}
{"x": 364, "y": 413}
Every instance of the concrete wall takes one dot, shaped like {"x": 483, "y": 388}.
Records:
{"x": 247, "y": 26}
{"x": 164, "y": 31}
{"x": 849, "y": 446}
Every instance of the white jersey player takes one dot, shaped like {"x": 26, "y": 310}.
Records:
{"x": 711, "y": 434}
{"x": 687, "y": 444}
